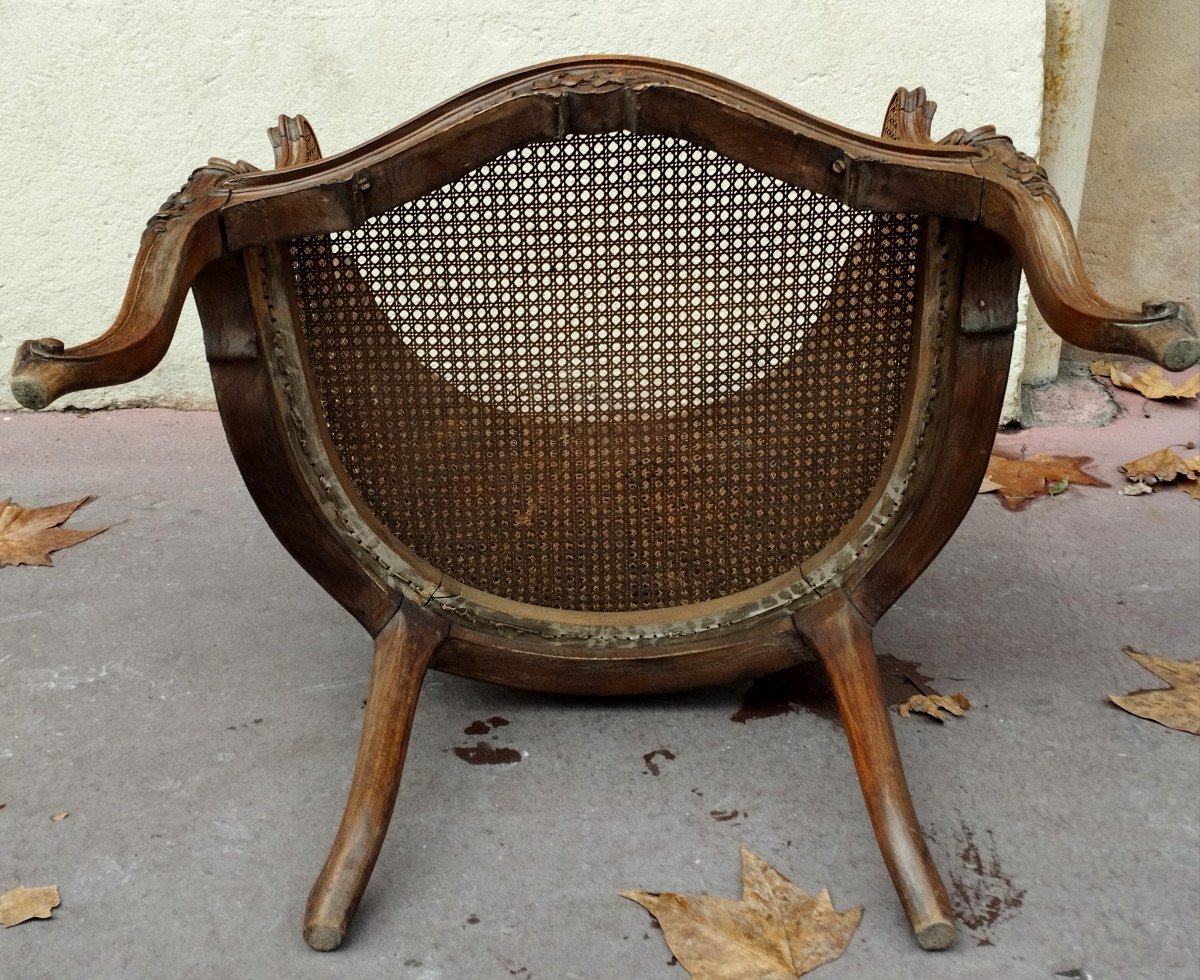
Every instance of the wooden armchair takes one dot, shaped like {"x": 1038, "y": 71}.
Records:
{"x": 611, "y": 376}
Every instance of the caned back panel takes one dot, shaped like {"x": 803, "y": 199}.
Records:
{"x": 613, "y": 372}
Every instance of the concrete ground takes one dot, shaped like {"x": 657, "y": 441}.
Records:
{"x": 193, "y": 699}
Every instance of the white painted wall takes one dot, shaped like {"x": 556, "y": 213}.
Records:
{"x": 108, "y": 105}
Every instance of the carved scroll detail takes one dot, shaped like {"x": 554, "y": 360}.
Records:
{"x": 999, "y": 149}
{"x": 909, "y": 117}
{"x": 294, "y": 142}
{"x": 200, "y": 182}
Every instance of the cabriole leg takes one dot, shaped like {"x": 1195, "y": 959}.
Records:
{"x": 403, "y": 649}
{"x": 841, "y": 638}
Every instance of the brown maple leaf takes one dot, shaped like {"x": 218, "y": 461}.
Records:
{"x": 1151, "y": 382}
{"x": 1018, "y": 481}
{"x": 1177, "y": 706}
{"x": 29, "y": 534}
{"x": 22, "y": 904}
{"x": 934, "y": 704}
{"x": 776, "y": 932}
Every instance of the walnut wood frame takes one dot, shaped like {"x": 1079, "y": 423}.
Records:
{"x": 989, "y": 213}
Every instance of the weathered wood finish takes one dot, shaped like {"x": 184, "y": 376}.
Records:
{"x": 765, "y": 645}
{"x": 402, "y": 652}
{"x": 835, "y": 629}
{"x": 181, "y": 238}
{"x": 960, "y": 440}
{"x": 988, "y": 212}
{"x": 268, "y": 464}
{"x": 561, "y": 636}
{"x": 1020, "y": 204}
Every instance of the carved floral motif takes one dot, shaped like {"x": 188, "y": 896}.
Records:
{"x": 589, "y": 80}
{"x": 201, "y": 180}
{"x": 998, "y": 148}
{"x": 909, "y": 119}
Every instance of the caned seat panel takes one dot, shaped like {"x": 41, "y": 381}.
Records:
{"x": 612, "y": 372}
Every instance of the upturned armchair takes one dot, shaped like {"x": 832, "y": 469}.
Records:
{"x": 610, "y": 376}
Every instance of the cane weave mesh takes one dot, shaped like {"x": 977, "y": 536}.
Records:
{"x": 612, "y": 372}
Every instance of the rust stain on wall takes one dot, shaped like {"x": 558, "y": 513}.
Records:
{"x": 1061, "y": 40}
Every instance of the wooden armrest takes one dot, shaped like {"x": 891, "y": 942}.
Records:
{"x": 1026, "y": 211}
{"x": 1020, "y": 204}
{"x": 179, "y": 240}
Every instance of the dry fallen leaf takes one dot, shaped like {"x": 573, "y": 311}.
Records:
{"x": 776, "y": 932}
{"x": 1177, "y": 706}
{"x": 1164, "y": 466}
{"x": 22, "y": 904}
{"x": 1136, "y": 489}
{"x": 60, "y": 817}
{"x": 29, "y": 534}
{"x": 932, "y": 705}
{"x": 1151, "y": 382}
{"x": 1017, "y": 481}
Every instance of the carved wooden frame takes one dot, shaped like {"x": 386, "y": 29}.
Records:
{"x": 989, "y": 212}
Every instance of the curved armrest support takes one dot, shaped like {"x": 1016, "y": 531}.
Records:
{"x": 1020, "y": 204}
{"x": 1039, "y": 232}
{"x": 182, "y": 237}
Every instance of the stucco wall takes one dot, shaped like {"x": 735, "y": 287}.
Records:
{"x": 1139, "y": 226}
{"x": 108, "y": 105}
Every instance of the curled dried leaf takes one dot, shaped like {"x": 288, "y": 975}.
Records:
{"x": 1162, "y": 464}
{"x": 1150, "y": 383}
{"x": 60, "y": 816}
{"x": 934, "y": 704}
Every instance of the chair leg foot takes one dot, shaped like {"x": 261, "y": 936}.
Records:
{"x": 402, "y": 653}
{"x": 841, "y": 638}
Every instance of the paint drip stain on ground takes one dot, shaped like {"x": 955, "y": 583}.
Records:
{"x": 805, "y": 687}
{"x": 982, "y": 894}
{"x": 483, "y": 754}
